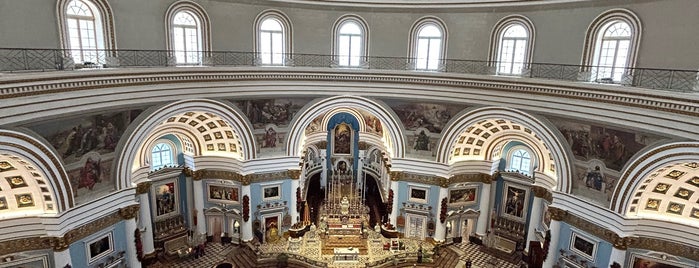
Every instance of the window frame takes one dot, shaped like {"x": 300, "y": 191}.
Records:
{"x": 593, "y": 44}
{"x": 413, "y": 48}
{"x": 533, "y": 159}
{"x": 103, "y": 30}
{"x": 364, "y": 41}
{"x": 286, "y": 32}
{"x": 174, "y": 151}
{"x": 203, "y": 30}
{"x": 497, "y": 40}
{"x": 187, "y": 52}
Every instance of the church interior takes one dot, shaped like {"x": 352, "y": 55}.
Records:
{"x": 349, "y": 133}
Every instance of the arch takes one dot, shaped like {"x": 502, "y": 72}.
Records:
{"x": 45, "y": 160}
{"x": 551, "y": 139}
{"x": 198, "y": 13}
{"x": 645, "y": 163}
{"x": 498, "y": 34}
{"x": 286, "y": 32}
{"x": 414, "y": 52}
{"x": 392, "y": 127}
{"x": 337, "y": 30}
{"x": 104, "y": 25}
{"x": 596, "y": 31}
{"x": 141, "y": 130}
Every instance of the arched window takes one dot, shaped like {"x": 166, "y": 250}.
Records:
{"x": 86, "y": 29}
{"x": 272, "y": 40}
{"x": 612, "y": 51}
{"x": 188, "y": 32}
{"x": 428, "y": 44}
{"x": 521, "y": 161}
{"x": 511, "y": 44}
{"x": 611, "y": 45}
{"x": 161, "y": 156}
{"x": 186, "y": 38}
{"x": 350, "y": 43}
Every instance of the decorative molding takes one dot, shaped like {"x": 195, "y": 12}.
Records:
{"x": 143, "y": 187}
{"x": 62, "y": 243}
{"x": 243, "y": 179}
{"x": 471, "y": 177}
{"x": 543, "y": 193}
{"x": 39, "y": 86}
{"x": 623, "y": 243}
{"x": 419, "y": 178}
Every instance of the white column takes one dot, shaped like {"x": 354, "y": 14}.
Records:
{"x": 484, "y": 208}
{"x": 246, "y": 228}
{"x": 440, "y": 232}
{"x": 534, "y": 219}
{"x": 293, "y": 208}
{"x": 394, "y": 211}
{"x": 61, "y": 258}
{"x": 145, "y": 220}
{"x": 618, "y": 256}
{"x": 198, "y": 193}
{"x": 132, "y": 257}
{"x": 555, "y": 229}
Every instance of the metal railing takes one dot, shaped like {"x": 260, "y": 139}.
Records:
{"x": 21, "y": 59}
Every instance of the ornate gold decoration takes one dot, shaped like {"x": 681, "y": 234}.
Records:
{"x": 129, "y": 212}
{"x": 689, "y": 252}
{"x": 63, "y": 242}
{"x": 470, "y": 177}
{"x": 419, "y": 178}
{"x": 243, "y": 179}
{"x": 143, "y": 187}
{"x": 540, "y": 192}
{"x": 295, "y": 174}
{"x": 557, "y": 214}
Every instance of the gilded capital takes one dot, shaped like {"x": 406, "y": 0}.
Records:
{"x": 295, "y": 174}
{"x": 621, "y": 243}
{"x": 443, "y": 182}
{"x": 557, "y": 214}
{"x": 129, "y": 212}
{"x": 59, "y": 243}
{"x": 395, "y": 175}
{"x": 540, "y": 192}
{"x": 143, "y": 187}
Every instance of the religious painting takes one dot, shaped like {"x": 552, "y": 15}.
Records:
{"x": 422, "y": 142}
{"x": 650, "y": 262}
{"x": 315, "y": 125}
{"x": 431, "y": 116}
{"x": 269, "y": 138}
{"x": 3, "y": 203}
{"x": 373, "y": 124}
{"x": 272, "y": 233}
{"x": 462, "y": 196}
{"x": 24, "y": 200}
{"x": 165, "y": 198}
{"x": 612, "y": 146}
{"x": 594, "y": 181}
{"x": 272, "y": 192}
{"x": 90, "y": 172}
{"x": 271, "y": 111}
{"x": 546, "y": 216}
{"x": 583, "y": 246}
{"x": 219, "y": 193}
{"x": 418, "y": 194}
{"x": 515, "y": 203}
{"x": 99, "y": 247}
{"x": 342, "y": 139}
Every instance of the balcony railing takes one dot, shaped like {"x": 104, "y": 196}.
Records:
{"x": 23, "y": 60}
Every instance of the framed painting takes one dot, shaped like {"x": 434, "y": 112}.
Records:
{"x": 219, "y": 193}
{"x": 166, "y": 198}
{"x": 583, "y": 246}
{"x": 638, "y": 261}
{"x": 271, "y": 192}
{"x": 99, "y": 247}
{"x": 342, "y": 139}
{"x": 418, "y": 194}
{"x": 515, "y": 204}
{"x": 545, "y": 216}
{"x": 462, "y": 196}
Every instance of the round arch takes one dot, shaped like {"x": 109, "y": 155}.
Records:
{"x": 45, "y": 160}
{"x": 549, "y": 135}
{"x": 388, "y": 118}
{"x": 143, "y": 127}
{"x": 645, "y": 163}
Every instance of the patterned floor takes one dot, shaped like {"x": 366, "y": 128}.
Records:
{"x": 478, "y": 258}
{"x": 215, "y": 253}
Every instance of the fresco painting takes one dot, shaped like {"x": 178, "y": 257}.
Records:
{"x": 612, "y": 146}
{"x": 431, "y": 116}
{"x": 595, "y": 182}
{"x": 271, "y": 111}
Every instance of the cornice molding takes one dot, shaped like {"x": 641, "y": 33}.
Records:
{"x": 196, "y": 175}
{"x": 471, "y": 177}
{"x": 143, "y": 187}
{"x": 574, "y": 91}
{"x": 624, "y": 243}
{"x": 543, "y": 193}
{"x": 62, "y": 243}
